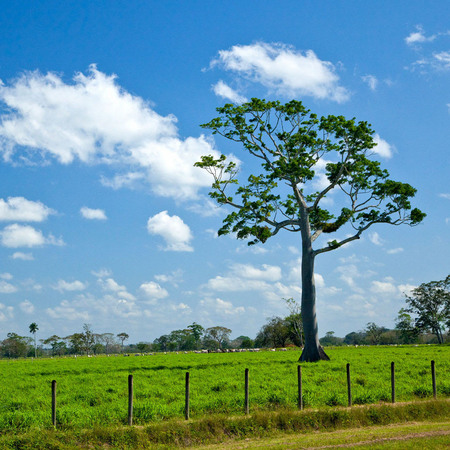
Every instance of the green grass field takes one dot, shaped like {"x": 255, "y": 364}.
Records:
{"x": 94, "y": 392}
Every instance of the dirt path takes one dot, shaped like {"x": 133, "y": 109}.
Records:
{"x": 356, "y": 437}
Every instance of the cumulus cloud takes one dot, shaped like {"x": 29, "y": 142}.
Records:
{"x": 93, "y": 120}
{"x": 446, "y": 196}
{"x": 16, "y": 235}
{"x": 222, "y": 89}
{"x": 418, "y": 36}
{"x": 221, "y": 307}
{"x": 22, "y": 256}
{"x": 375, "y": 238}
{"x": 6, "y": 312}
{"x": 93, "y": 214}
{"x": 283, "y": 69}
{"x": 69, "y": 286}
{"x": 111, "y": 285}
{"x": 371, "y": 81}
{"x": 65, "y": 310}
{"x": 19, "y": 209}
{"x": 394, "y": 251}
{"x": 173, "y": 230}
{"x": 383, "y": 148}
{"x": 153, "y": 290}
{"x": 7, "y": 288}
{"x": 27, "y": 307}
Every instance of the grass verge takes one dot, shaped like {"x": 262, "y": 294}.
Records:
{"x": 223, "y": 430}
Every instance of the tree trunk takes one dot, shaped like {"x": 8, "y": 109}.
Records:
{"x": 312, "y": 351}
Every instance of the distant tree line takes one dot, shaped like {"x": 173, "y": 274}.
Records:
{"x": 424, "y": 319}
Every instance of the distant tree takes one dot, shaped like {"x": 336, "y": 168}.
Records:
{"x": 292, "y": 144}
{"x": 430, "y": 302}
{"x": 197, "y": 333}
{"x": 355, "y": 338}
{"x": 242, "y": 342}
{"x": 123, "y": 337}
{"x": 57, "y": 344}
{"x": 295, "y": 319}
{"x": 406, "y": 328}
{"x": 275, "y": 333}
{"x": 109, "y": 341}
{"x": 33, "y": 328}
{"x": 219, "y": 335}
{"x": 15, "y": 346}
{"x": 331, "y": 339}
{"x": 88, "y": 338}
{"x": 144, "y": 347}
{"x": 76, "y": 341}
{"x": 373, "y": 333}
{"x": 162, "y": 342}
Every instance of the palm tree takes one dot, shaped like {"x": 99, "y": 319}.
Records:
{"x": 33, "y": 328}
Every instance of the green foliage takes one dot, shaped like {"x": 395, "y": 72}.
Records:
{"x": 290, "y": 142}
{"x": 430, "y": 302}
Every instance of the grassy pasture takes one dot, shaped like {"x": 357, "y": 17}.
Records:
{"x": 93, "y": 391}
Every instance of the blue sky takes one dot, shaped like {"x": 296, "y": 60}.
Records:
{"x": 103, "y": 218}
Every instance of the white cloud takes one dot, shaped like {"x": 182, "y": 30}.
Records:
{"x": 22, "y": 256}
{"x": 375, "y": 238}
{"x": 27, "y": 307}
{"x": 95, "y": 121}
{"x": 16, "y": 235}
{"x": 6, "y": 276}
{"x": 67, "y": 311}
{"x": 383, "y": 148}
{"x": 7, "y": 288}
{"x": 283, "y": 69}
{"x": 69, "y": 286}
{"x": 153, "y": 290}
{"x": 221, "y": 307}
{"x": 110, "y": 285}
{"x": 394, "y": 251}
{"x": 173, "y": 230}
{"x": 93, "y": 214}
{"x": 266, "y": 273}
{"x": 6, "y": 312}
{"x": 222, "y": 89}
{"x": 418, "y": 37}
{"x": 102, "y": 273}
{"x": 383, "y": 287}
{"x": 19, "y": 209}
{"x": 371, "y": 81}
{"x": 446, "y": 196}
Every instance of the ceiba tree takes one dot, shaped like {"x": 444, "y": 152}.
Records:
{"x": 295, "y": 149}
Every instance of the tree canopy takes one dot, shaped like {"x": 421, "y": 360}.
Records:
{"x": 430, "y": 302}
{"x": 303, "y": 160}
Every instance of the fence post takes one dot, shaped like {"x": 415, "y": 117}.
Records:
{"x": 54, "y": 403}
{"x": 349, "y": 386}
{"x": 300, "y": 387}
{"x": 130, "y": 399}
{"x": 433, "y": 377}
{"x": 186, "y": 398}
{"x": 247, "y": 409}
{"x": 393, "y": 382}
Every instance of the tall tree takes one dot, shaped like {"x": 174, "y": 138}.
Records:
{"x": 406, "y": 328}
{"x": 219, "y": 335}
{"x": 123, "y": 337}
{"x": 430, "y": 302}
{"x": 33, "y": 328}
{"x": 304, "y": 159}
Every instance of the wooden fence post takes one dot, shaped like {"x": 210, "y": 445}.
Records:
{"x": 393, "y": 382}
{"x": 433, "y": 377}
{"x": 130, "y": 399}
{"x": 300, "y": 387}
{"x": 349, "y": 386}
{"x": 247, "y": 408}
{"x": 186, "y": 398}
{"x": 54, "y": 403}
